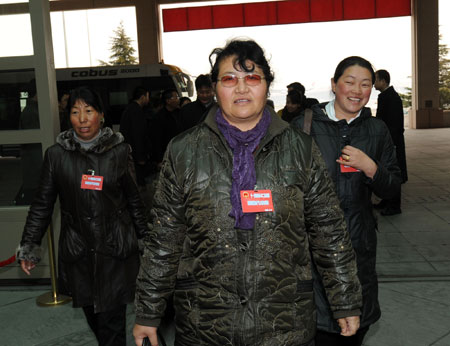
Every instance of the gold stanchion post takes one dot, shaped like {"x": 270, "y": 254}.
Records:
{"x": 52, "y": 298}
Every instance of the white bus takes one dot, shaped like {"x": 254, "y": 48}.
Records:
{"x": 116, "y": 84}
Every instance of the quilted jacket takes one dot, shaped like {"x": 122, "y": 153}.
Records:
{"x": 355, "y": 194}
{"x": 244, "y": 287}
{"x": 98, "y": 253}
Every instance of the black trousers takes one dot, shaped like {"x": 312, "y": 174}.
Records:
{"x": 109, "y": 327}
{"x": 335, "y": 339}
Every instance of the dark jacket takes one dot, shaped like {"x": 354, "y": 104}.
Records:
{"x": 134, "y": 128}
{"x": 192, "y": 114}
{"x": 98, "y": 249}
{"x": 289, "y": 116}
{"x": 164, "y": 126}
{"x": 390, "y": 110}
{"x": 355, "y": 191}
{"x": 244, "y": 287}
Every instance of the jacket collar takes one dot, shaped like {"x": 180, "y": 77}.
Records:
{"x": 320, "y": 113}
{"x": 105, "y": 142}
{"x": 276, "y": 126}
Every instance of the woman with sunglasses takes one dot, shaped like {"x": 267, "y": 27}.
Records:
{"x": 242, "y": 200}
{"x": 360, "y": 157}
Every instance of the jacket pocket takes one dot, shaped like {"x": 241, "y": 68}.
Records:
{"x": 72, "y": 245}
{"x": 121, "y": 240}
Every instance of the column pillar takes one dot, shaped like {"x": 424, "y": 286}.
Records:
{"x": 148, "y": 31}
{"x": 425, "y": 112}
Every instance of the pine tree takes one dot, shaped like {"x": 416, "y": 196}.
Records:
{"x": 121, "y": 48}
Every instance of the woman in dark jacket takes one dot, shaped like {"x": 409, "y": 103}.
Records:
{"x": 241, "y": 200}
{"x": 360, "y": 157}
{"x": 102, "y": 217}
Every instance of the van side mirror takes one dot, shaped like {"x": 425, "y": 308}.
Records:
{"x": 190, "y": 88}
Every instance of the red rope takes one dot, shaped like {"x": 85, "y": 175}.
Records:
{"x": 8, "y": 261}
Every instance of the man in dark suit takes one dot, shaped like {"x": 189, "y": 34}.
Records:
{"x": 193, "y": 113}
{"x": 133, "y": 126}
{"x": 390, "y": 110}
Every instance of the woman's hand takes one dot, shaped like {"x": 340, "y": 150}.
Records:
{"x": 358, "y": 159}
{"x": 349, "y": 325}
{"x": 27, "y": 266}
{"x": 140, "y": 332}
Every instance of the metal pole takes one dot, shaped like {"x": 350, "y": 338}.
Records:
{"x": 66, "y": 51}
{"x": 52, "y": 298}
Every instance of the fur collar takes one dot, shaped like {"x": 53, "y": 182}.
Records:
{"x": 105, "y": 141}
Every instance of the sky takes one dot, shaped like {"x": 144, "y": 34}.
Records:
{"x": 307, "y": 52}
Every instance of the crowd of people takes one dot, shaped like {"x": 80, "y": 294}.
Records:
{"x": 261, "y": 229}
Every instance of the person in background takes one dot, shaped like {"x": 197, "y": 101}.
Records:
{"x": 91, "y": 170}
{"x": 166, "y": 124}
{"x": 133, "y": 127}
{"x": 184, "y": 101}
{"x": 294, "y": 106}
{"x": 308, "y": 102}
{"x": 360, "y": 158}
{"x": 194, "y": 113}
{"x": 390, "y": 110}
{"x": 243, "y": 276}
{"x": 64, "y": 122}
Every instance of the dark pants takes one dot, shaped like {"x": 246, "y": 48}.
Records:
{"x": 395, "y": 202}
{"x": 335, "y": 339}
{"x": 109, "y": 327}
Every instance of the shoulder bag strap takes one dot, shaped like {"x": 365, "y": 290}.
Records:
{"x": 307, "y": 121}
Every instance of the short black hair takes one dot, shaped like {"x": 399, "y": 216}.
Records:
{"x": 296, "y": 97}
{"x": 167, "y": 94}
{"x": 297, "y": 86}
{"x": 242, "y": 50}
{"x": 203, "y": 80}
{"x": 138, "y": 92}
{"x": 88, "y": 95}
{"x": 384, "y": 75}
{"x": 352, "y": 61}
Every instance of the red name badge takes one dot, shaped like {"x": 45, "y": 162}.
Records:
{"x": 91, "y": 182}
{"x": 255, "y": 201}
{"x": 347, "y": 169}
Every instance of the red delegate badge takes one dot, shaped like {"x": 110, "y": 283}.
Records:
{"x": 91, "y": 182}
{"x": 347, "y": 169}
{"x": 255, "y": 201}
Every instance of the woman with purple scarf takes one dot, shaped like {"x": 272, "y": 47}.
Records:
{"x": 244, "y": 204}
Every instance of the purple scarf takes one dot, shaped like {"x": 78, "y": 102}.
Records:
{"x": 243, "y": 145}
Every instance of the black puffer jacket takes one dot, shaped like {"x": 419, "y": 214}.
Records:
{"x": 98, "y": 247}
{"x": 244, "y": 287}
{"x": 355, "y": 191}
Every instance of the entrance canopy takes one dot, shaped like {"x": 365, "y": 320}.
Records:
{"x": 280, "y": 12}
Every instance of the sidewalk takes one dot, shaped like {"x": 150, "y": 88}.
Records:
{"x": 413, "y": 267}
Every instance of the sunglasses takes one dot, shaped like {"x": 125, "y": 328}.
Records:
{"x": 230, "y": 80}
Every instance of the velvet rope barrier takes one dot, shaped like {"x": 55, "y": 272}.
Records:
{"x": 8, "y": 261}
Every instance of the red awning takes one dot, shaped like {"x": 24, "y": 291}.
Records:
{"x": 280, "y": 12}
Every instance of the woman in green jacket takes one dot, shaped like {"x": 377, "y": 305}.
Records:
{"x": 242, "y": 200}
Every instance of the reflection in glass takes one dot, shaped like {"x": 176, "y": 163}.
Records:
{"x": 20, "y": 169}
{"x": 18, "y": 100}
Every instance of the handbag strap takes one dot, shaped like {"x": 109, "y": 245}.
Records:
{"x": 307, "y": 121}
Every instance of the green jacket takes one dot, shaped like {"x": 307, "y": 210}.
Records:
{"x": 244, "y": 287}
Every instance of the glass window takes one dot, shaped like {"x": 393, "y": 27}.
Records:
{"x": 18, "y": 101}
{"x": 20, "y": 170}
{"x": 18, "y": 41}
